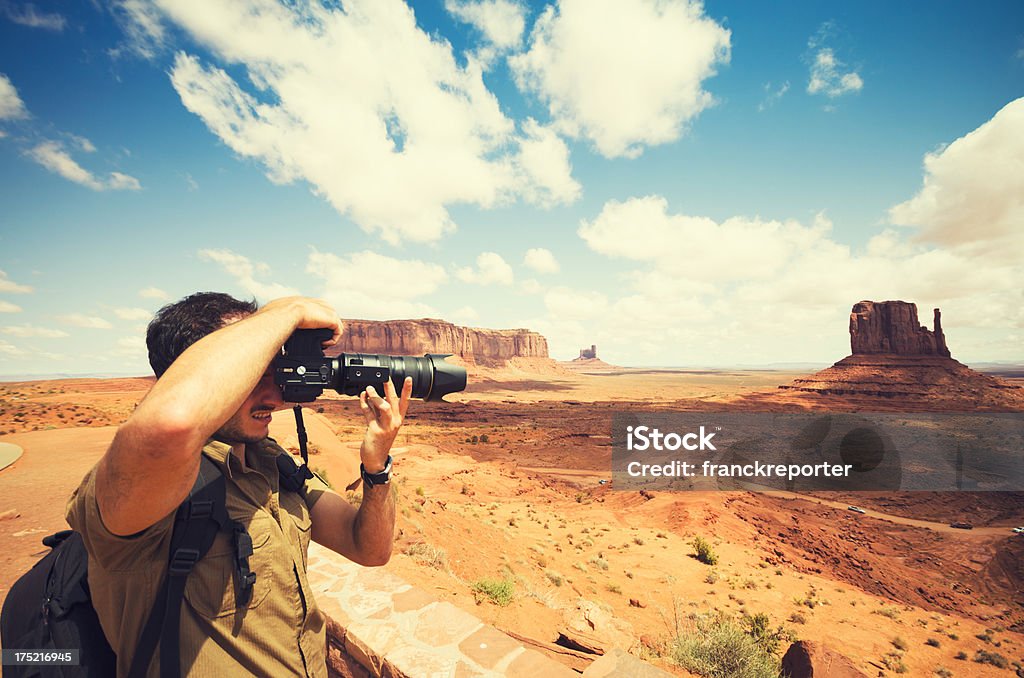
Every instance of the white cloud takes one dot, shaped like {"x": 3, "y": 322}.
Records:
{"x": 53, "y": 156}
{"x": 829, "y": 75}
{"x": 134, "y": 345}
{"x": 132, "y": 313}
{"x": 544, "y": 159}
{"x": 531, "y": 286}
{"x": 972, "y": 198}
{"x": 8, "y": 285}
{"x": 746, "y": 289}
{"x": 27, "y": 15}
{"x": 464, "y": 315}
{"x": 390, "y": 142}
{"x": 623, "y": 74}
{"x": 8, "y": 307}
{"x": 372, "y": 286}
{"x": 87, "y": 321}
{"x": 154, "y": 293}
{"x": 490, "y": 269}
{"x": 245, "y": 272}
{"x": 772, "y": 95}
{"x": 142, "y": 24}
{"x": 501, "y": 22}
{"x": 32, "y": 331}
{"x": 541, "y": 260}
{"x": 11, "y": 105}
{"x": 8, "y": 349}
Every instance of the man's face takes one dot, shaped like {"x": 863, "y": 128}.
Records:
{"x": 251, "y": 423}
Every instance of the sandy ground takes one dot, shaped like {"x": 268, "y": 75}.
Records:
{"x": 502, "y": 483}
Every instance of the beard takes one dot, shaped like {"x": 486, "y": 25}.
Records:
{"x": 242, "y": 428}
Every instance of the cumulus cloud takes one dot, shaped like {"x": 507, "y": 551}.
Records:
{"x": 376, "y": 287}
{"x": 132, "y": 313}
{"x": 28, "y": 15}
{"x": 623, "y": 74}
{"x": 53, "y": 156}
{"x": 87, "y": 321}
{"x": 11, "y": 105}
{"x": 491, "y": 269}
{"x": 154, "y": 293}
{"x": 972, "y": 198}
{"x": 390, "y": 142}
{"x": 540, "y": 260}
{"x": 8, "y": 307}
{"x": 33, "y": 331}
{"x": 501, "y": 22}
{"x": 464, "y": 315}
{"x": 829, "y": 75}
{"x": 245, "y": 272}
{"x": 8, "y": 349}
{"x": 544, "y": 160}
{"x": 745, "y": 289}
{"x": 8, "y": 285}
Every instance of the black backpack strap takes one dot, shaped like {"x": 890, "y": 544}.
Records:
{"x": 292, "y": 476}
{"x": 196, "y": 524}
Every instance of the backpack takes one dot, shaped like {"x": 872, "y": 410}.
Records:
{"x": 50, "y": 606}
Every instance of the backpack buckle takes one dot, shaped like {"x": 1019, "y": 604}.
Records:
{"x": 183, "y": 561}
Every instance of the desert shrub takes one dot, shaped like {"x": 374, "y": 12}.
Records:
{"x": 554, "y": 577}
{"x": 599, "y": 562}
{"x": 498, "y": 591}
{"x": 420, "y": 491}
{"x": 994, "y": 658}
{"x": 890, "y": 612}
{"x": 614, "y": 588}
{"x": 961, "y": 655}
{"x": 758, "y": 627}
{"x": 426, "y": 554}
{"x": 484, "y": 438}
{"x": 899, "y": 643}
{"x": 943, "y": 672}
{"x": 711, "y": 577}
{"x": 933, "y": 642}
{"x": 798, "y": 618}
{"x": 985, "y": 637}
{"x": 894, "y": 662}
{"x": 717, "y": 648}
{"x": 705, "y": 553}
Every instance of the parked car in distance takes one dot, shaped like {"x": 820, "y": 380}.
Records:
{"x": 962, "y": 526}
{"x": 855, "y": 509}
{"x": 1018, "y": 530}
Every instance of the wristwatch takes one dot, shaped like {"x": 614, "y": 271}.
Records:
{"x": 382, "y": 478}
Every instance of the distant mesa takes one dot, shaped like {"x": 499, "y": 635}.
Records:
{"x": 474, "y": 346}
{"x": 588, "y": 353}
{"x": 894, "y": 357}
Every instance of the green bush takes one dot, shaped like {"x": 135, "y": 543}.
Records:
{"x": 994, "y": 658}
{"x": 718, "y": 648}
{"x": 498, "y": 591}
{"x": 705, "y": 553}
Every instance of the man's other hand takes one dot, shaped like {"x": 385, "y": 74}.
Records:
{"x": 384, "y": 417}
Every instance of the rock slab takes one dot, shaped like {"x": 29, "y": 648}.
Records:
{"x": 892, "y": 327}
{"x": 806, "y": 659}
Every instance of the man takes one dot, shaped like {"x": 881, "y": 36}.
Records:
{"x": 213, "y": 396}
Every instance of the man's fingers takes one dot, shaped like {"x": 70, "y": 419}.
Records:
{"x": 390, "y": 395}
{"x": 403, "y": 404}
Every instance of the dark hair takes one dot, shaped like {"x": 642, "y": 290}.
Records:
{"x": 181, "y": 324}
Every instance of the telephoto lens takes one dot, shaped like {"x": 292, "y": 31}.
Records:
{"x": 303, "y": 371}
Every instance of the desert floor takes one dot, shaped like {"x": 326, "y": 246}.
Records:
{"x": 503, "y": 483}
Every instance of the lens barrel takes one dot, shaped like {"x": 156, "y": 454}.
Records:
{"x": 432, "y": 376}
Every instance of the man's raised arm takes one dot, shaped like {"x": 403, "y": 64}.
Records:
{"x": 154, "y": 457}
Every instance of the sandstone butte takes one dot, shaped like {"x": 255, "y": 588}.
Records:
{"x": 893, "y": 356}
{"x": 491, "y": 348}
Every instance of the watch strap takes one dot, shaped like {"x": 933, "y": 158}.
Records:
{"x": 382, "y": 478}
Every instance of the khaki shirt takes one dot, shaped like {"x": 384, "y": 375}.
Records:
{"x": 281, "y": 632}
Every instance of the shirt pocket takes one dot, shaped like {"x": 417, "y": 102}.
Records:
{"x": 303, "y": 530}
{"x": 212, "y": 587}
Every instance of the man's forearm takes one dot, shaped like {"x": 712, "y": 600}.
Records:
{"x": 373, "y": 530}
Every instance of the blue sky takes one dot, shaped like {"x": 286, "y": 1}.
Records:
{"x": 680, "y": 184}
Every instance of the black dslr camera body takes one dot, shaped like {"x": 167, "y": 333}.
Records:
{"x": 302, "y": 371}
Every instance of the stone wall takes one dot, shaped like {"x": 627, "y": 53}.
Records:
{"x": 380, "y": 625}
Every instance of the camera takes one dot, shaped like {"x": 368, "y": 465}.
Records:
{"x": 302, "y": 371}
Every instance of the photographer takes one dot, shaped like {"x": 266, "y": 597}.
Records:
{"x": 213, "y": 396}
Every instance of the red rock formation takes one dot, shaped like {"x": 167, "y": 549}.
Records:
{"x": 806, "y": 659}
{"x": 897, "y": 360}
{"x": 416, "y": 337}
{"x": 892, "y": 327}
